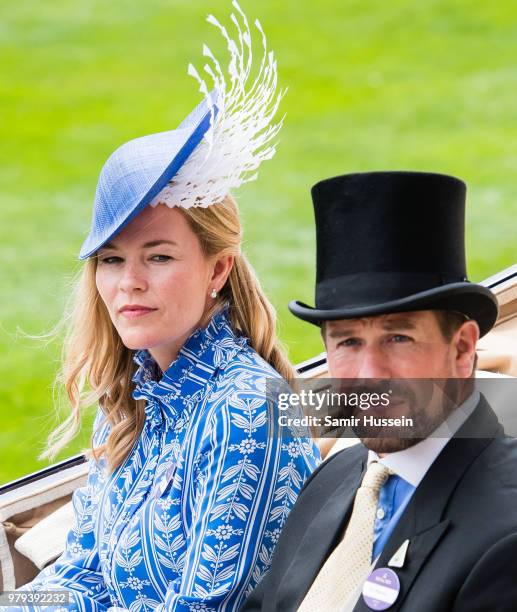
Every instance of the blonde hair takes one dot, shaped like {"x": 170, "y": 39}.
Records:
{"x": 98, "y": 368}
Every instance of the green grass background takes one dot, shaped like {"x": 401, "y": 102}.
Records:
{"x": 417, "y": 85}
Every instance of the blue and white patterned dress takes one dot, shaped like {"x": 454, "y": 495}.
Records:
{"x": 190, "y": 520}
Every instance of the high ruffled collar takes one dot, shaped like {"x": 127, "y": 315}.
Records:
{"x": 186, "y": 380}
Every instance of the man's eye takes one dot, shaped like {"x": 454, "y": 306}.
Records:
{"x": 161, "y": 258}
{"x": 349, "y": 342}
{"x": 399, "y": 338}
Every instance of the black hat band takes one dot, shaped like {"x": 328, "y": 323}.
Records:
{"x": 367, "y": 288}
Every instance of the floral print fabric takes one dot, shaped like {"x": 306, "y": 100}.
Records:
{"x": 190, "y": 520}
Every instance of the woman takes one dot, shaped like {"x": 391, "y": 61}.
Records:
{"x": 191, "y": 479}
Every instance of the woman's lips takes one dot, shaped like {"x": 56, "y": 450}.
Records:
{"x": 135, "y": 312}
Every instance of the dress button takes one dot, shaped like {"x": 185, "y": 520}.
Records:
{"x": 380, "y": 514}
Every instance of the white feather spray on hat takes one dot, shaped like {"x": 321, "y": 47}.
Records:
{"x": 241, "y": 135}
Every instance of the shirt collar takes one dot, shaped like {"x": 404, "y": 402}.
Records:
{"x": 186, "y": 379}
{"x": 412, "y": 463}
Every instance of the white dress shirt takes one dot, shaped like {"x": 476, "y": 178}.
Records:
{"x": 412, "y": 463}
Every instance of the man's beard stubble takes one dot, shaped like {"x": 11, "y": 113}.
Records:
{"x": 418, "y": 406}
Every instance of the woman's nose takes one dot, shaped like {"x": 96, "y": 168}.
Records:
{"x": 132, "y": 278}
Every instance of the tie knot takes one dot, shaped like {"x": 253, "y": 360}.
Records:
{"x": 376, "y": 475}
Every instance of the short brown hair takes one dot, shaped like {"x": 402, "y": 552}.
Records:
{"x": 449, "y": 321}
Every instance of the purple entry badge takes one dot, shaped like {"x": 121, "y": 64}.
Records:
{"x": 381, "y": 589}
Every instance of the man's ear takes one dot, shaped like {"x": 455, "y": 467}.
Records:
{"x": 465, "y": 340}
{"x": 222, "y": 268}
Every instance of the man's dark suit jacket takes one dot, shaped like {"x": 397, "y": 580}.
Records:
{"x": 461, "y": 524}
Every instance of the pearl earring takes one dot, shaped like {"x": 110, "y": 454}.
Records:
{"x": 213, "y": 294}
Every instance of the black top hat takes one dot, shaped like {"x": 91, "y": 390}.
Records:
{"x": 392, "y": 242}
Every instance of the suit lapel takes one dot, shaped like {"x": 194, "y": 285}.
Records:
{"x": 343, "y": 477}
{"x": 423, "y": 522}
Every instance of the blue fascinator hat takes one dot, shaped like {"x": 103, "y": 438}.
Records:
{"x": 219, "y": 146}
{"x": 138, "y": 171}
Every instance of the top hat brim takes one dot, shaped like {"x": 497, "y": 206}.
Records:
{"x": 475, "y": 301}
{"x": 186, "y": 138}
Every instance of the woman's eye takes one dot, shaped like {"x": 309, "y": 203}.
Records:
{"x": 110, "y": 260}
{"x": 161, "y": 258}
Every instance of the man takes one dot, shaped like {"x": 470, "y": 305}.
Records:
{"x": 415, "y": 522}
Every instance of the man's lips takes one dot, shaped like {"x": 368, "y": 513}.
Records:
{"x": 135, "y": 310}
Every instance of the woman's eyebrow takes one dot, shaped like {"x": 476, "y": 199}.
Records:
{"x": 153, "y": 243}
{"x": 108, "y": 245}
{"x": 147, "y": 245}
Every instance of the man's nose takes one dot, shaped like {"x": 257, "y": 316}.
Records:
{"x": 374, "y": 363}
{"x": 132, "y": 278}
